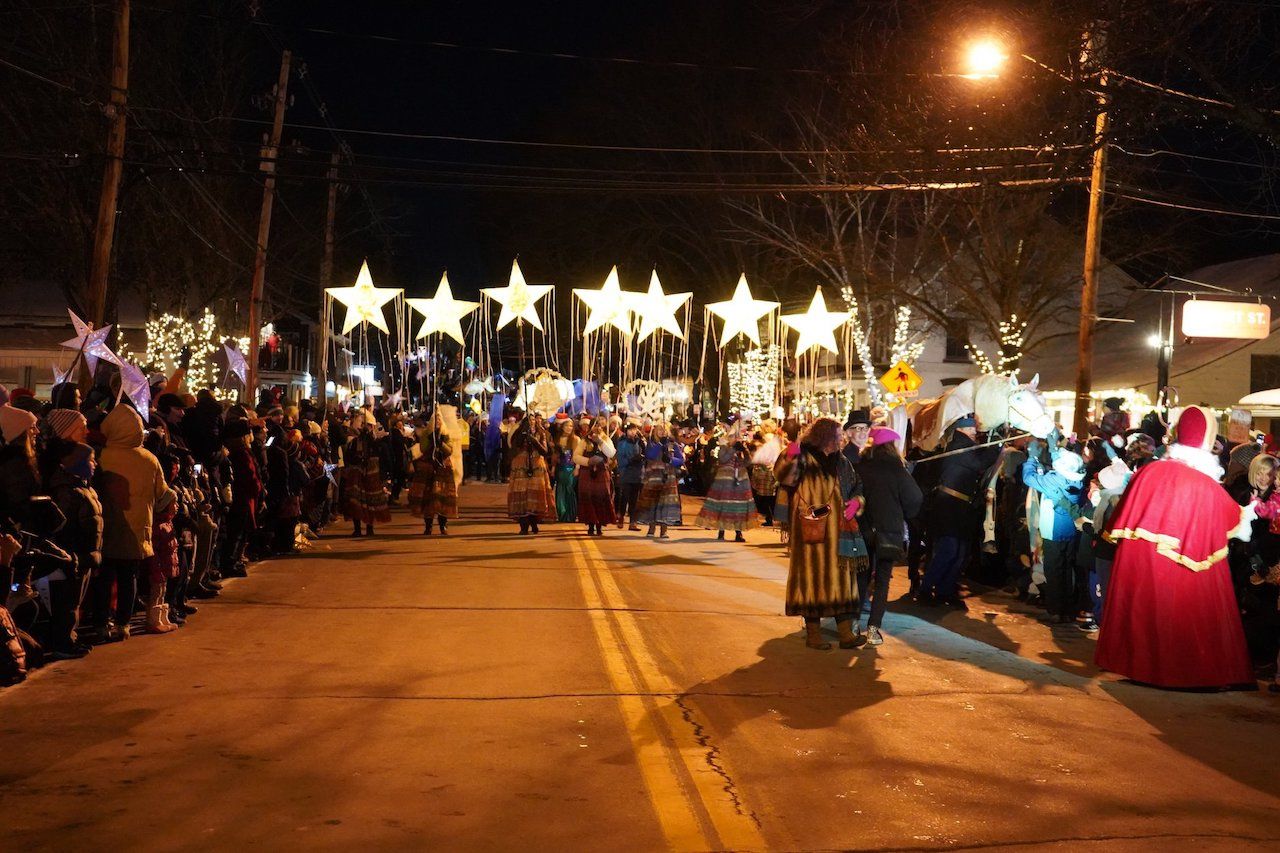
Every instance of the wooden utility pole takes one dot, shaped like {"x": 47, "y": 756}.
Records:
{"x": 105, "y": 228}
{"x": 1092, "y": 249}
{"x": 269, "y": 157}
{"x": 326, "y": 281}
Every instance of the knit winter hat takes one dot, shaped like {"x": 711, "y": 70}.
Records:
{"x": 14, "y": 422}
{"x": 1069, "y": 465}
{"x": 1195, "y": 428}
{"x": 63, "y": 422}
{"x": 884, "y": 435}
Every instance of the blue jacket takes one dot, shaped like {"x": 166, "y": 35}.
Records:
{"x": 630, "y": 460}
{"x": 1057, "y": 496}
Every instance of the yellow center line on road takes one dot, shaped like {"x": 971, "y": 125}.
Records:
{"x": 689, "y": 795}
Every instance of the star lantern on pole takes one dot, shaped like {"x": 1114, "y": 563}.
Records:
{"x": 519, "y": 299}
{"x": 133, "y": 383}
{"x": 442, "y": 313}
{"x": 607, "y": 306}
{"x": 741, "y": 314}
{"x": 817, "y": 326}
{"x": 364, "y": 301}
{"x": 656, "y": 310}
{"x": 236, "y": 363}
{"x": 90, "y": 343}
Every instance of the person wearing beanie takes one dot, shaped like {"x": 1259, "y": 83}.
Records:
{"x": 66, "y": 428}
{"x": 1062, "y": 503}
{"x": 1171, "y": 616}
{"x": 132, "y": 484}
{"x": 71, "y": 488}
{"x": 19, "y": 474}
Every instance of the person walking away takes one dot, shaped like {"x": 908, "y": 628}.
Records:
{"x": 131, "y": 484}
{"x": 595, "y": 483}
{"x": 1062, "y": 503}
{"x": 953, "y": 516}
{"x": 764, "y": 485}
{"x": 71, "y": 488}
{"x": 819, "y": 585}
{"x": 529, "y": 498}
{"x": 630, "y": 462}
{"x": 892, "y": 497}
{"x": 659, "y": 505}
{"x": 729, "y": 504}
{"x": 433, "y": 493}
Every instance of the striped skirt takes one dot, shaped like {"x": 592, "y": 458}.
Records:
{"x": 729, "y": 504}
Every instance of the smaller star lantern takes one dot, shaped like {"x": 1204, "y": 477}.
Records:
{"x": 60, "y": 376}
{"x": 364, "y": 301}
{"x": 442, "y": 312}
{"x": 608, "y": 306}
{"x": 90, "y": 343}
{"x": 656, "y": 310}
{"x": 741, "y": 314}
{"x": 519, "y": 299}
{"x": 133, "y": 383}
{"x": 817, "y": 326}
{"x": 236, "y": 363}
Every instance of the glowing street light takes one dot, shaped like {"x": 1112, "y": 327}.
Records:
{"x": 984, "y": 59}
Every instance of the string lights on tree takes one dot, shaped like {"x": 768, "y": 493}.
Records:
{"x": 168, "y": 334}
{"x": 862, "y": 346}
{"x": 1009, "y": 353}
{"x": 753, "y": 381}
{"x": 904, "y": 349}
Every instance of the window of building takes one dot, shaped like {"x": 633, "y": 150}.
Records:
{"x": 1264, "y": 372}
{"x": 955, "y": 349}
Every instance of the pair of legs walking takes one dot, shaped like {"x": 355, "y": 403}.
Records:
{"x": 440, "y": 519}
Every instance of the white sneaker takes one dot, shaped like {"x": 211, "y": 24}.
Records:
{"x": 874, "y": 637}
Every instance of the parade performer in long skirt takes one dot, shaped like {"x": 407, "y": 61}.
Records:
{"x": 595, "y": 481}
{"x": 566, "y": 480}
{"x": 529, "y": 497}
{"x": 433, "y": 492}
{"x": 1171, "y": 617}
{"x": 660, "y": 495}
{"x": 364, "y": 491}
{"x": 729, "y": 504}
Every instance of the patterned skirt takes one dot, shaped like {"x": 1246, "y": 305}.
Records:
{"x": 595, "y": 497}
{"x": 763, "y": 483}
{"x": 364, "y": 495}
{"x": 659, "y": 495}
{"x": 433, "y": 492}
{"x": 729, "y": 504}
{"x": 529, "y": 492}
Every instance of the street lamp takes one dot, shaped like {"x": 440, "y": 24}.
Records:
{"x": 984, "y": 59}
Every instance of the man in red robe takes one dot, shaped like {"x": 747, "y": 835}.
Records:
{"x": 1171, "y": 617}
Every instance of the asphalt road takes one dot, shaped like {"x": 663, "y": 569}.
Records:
{"x": 497, "y": 692}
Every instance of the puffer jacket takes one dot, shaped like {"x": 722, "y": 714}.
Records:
{"x": 131, "y": 483}
{"x": 82, "y": 534}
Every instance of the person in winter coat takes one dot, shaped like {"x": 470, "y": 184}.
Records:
{"x": 659, "y": 505}
{"x": 433, "y": 492}
{"x": 764, "y": 484}
{"x": 71, "y": 488}
{"x": 162, "y": 565}
{"x": 131, "y": 484}
{"x": 529, "y": 497}
{"x": 591, "y": 458}
{"x": 630, "y": 462}
{"x": 241, "y": 518}
{"x": 19, "y": 474}
{"x": 892, "y": 497}
{"x": 1062, "y": 502}
{"x": 364, "y": 492}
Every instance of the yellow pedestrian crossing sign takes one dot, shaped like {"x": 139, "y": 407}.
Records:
{"x": 902, "y": 380}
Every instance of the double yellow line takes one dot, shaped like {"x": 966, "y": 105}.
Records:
{"x": 688, "y": 788}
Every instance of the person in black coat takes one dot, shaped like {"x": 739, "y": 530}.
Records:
{"x": 953, "y": 513}
{"x": 892, "y": 498}
{"x": 71, "y": 488}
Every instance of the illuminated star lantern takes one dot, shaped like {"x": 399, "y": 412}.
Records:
{"x": 90, "y": 342}
{"x": 817, "y": 326}
{"x": 657, "y": 310}
{"x": 519, "y": 299}
{"x": 236, "y": 363}
{"x": 741, "y": 314}
{"x": 443, "y": 313}
{"x": 608, "y": 306}
{"x": 133, "y": 382}
{"x": 59, "y": 376}
{"x": 364, "y": 301}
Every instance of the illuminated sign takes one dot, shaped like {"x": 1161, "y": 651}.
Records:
{"x": 1202, "y": 318}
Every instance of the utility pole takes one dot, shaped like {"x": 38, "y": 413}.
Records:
{"x": 1092, "y": 247}
{"x": 269, "y": 157}
{"x": 105, "y": 228}
{"x": 326, "y": 281}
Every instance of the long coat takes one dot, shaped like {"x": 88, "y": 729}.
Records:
{"x": 132, "y": 483}
{"x": 817, "y": 584}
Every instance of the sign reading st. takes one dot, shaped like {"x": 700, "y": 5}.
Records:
{"x": 1203, "y": 318}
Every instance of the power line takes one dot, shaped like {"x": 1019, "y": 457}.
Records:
{"x": 1219, "y": 211}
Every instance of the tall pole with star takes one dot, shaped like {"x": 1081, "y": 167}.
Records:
{"x": 519, "y": 301}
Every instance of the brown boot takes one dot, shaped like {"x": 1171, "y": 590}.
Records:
{"x": 813, "y": 635}
{"x": 848, "y": 639}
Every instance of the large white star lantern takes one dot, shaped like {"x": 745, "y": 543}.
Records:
{"x": 442, "y": 313}
{"x": 608, "y": 306}
{"x": 741, "y": 314}
{"x": 656, "y": 310}
{"x": 817, "y": 326}
{"x": 236, "y": 363}
{"x": 519, "y": 299}
{"x": 91, "y": 343}
{"x": 364, "y": 301}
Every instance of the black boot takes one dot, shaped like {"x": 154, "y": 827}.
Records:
{"x": 524, "y": 526}
{"x": 444, "y": 526}
{"x": 533, "y": 524}
{"x": 357, "y": 530}
{"x": 738, "y": 537}
{"x": 720, "y": 536}
{"x": 426, "y": 528}
{"x": 368, "y": 530}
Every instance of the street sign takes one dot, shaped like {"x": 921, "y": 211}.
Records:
{"x": 902, "y": 380}
{"x": 1206, "y": 318}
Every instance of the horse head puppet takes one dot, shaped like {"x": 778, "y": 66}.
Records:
{"x": 993, "y": 400}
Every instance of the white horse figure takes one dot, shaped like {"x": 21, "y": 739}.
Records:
{"x": 993, "y": 400}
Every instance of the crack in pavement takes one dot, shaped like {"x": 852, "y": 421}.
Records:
{"x": 711, "y": 755}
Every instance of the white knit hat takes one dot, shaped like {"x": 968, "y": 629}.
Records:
{"x": 14, "y": 422}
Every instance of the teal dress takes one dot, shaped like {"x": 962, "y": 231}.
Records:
{"x": 566, "y": 488}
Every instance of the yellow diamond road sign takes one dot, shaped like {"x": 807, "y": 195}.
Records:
{"x": 901, "y": 380}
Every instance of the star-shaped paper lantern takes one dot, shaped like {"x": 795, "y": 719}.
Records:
{"x": 607, "y": 306}
{"x": 443, "y": 313}
{"x": 60, "y": 376}
{"x": 519, "y": 299}
{"x": 133, "y": 382}
{"x": 657, "y": 310}
{"x": 364, "y": 301}
{"x": 741, "y": 314}
{"x": 91, "y": 343}
{"x": 817, "y": 326}
{"x": 236, "y": 363}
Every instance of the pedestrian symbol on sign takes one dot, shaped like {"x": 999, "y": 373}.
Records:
{"x": 902, "y": 380}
